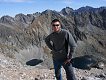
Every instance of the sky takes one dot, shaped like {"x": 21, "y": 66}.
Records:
{"x": 13, "y": 7}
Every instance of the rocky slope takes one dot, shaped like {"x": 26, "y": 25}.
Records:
{"x": 22, "y": 37}
{"x": 11, "y": 69}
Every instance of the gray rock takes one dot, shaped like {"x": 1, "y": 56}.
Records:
{"x": 102, "y": 75}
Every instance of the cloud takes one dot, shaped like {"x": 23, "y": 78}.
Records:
{"x": 67, "y": 1}
{"x": 103, "y": 0}
{"x": 15, "y": 1}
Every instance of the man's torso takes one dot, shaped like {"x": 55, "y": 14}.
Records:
{"x": 58, "y": 42}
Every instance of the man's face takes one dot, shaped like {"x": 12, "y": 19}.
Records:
{"x": 56, "y": 26}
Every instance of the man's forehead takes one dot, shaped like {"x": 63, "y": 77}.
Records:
{"x": 56, "y": 22}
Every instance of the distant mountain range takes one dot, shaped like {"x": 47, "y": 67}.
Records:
{"x": 27, "y": 32}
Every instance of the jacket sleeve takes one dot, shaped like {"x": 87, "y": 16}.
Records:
{"x": 47, "y": 41}
{"x": 71, "y": 44}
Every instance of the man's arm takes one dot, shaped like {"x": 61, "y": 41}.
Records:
{"x": 72, "y": 45}
{"x": 47, "y": 41}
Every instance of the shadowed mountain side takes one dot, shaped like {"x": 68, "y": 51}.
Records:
{"x": 84, "y": 62}
{"x": 34, "y": 62}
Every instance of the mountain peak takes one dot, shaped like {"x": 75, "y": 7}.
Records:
{"x": 86, "y": 8}
{"x": 47, "y": 11}
{"x": 66, "y": 10}
{"x": 6, "y": 19}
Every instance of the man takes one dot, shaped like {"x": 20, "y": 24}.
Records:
{"x": 62, "y": 44}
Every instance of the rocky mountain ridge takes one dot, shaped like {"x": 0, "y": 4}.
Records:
{"x": 22, "y": 37}
{"x": 25, "y": 56}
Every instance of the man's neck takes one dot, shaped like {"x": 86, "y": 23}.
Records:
{"x": 58, "y": 31}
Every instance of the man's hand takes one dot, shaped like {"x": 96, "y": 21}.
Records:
{"x": 67, "y": 61}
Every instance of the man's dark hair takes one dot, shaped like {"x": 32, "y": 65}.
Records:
{"x": 55, "y": 20}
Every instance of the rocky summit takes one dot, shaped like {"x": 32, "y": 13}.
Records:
{"x": 23, "y": 50}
